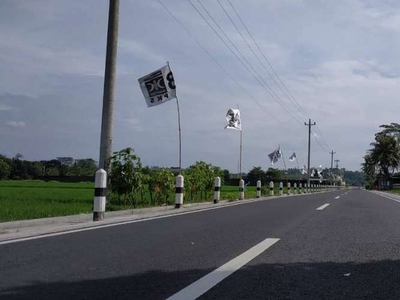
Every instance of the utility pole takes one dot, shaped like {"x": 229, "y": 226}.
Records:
{"x": 309, "y": 148}
{"x": 337, "y": 163}
{"x": 331, "y": 153}
{"x": 109, "y": 87}
{"x": 337, "y": 166}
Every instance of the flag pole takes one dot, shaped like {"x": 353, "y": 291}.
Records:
{"x": 180, "y": 135}
{"x": 240, "y": 155}
{"x": 284, "y": 163}
{"x": 240, "y": 152}
{"x": 179, "y": 130}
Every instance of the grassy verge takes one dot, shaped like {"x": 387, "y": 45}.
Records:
{"x": 31, "y": 199}
{"x": 396, "y": 191}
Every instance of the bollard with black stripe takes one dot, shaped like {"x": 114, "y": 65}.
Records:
{"x": 258, "y": 188}
{"x": 241, "y": 189}
{"x": 288, "y": 188}
{"x": 300, "y": 185}
{"x": 280, "y": 188}
{"x": 179, "y": 191}
{"x": 295, "y": 188}
{"x": 217, "y": 189}
{"x": 100, "y": 194}
{"x": 271, "y": 188}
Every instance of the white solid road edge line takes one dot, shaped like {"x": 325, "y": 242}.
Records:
{"x": 323, "y": 206}
{"x": 201, "y": 286}
{"x": 386, "y": 196}
{"x": 100, "y": 226}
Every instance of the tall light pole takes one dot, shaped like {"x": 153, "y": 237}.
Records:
{"x": 109, "y": 87}
{"x": 309, "y": 148}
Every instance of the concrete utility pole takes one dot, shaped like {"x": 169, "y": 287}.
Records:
{"x": 109, "y": 87}
{"x": 331, "y": 153}
{"x": 309, "y": 148}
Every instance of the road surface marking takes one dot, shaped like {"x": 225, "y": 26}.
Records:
{"x": 201, "y": 286}
{"x": 337, "y": 197}
{"x": 323, "y": 206}
{"x": 387, "y": 197}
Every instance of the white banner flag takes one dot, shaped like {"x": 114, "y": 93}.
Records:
{"x": 292, "y": 157}
{"x": 304, "y": 170}
{"x": 233, "y": 119}
{"x": 158, "y": 87}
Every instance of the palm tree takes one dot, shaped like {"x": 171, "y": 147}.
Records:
{"x": 368, "y": 166}
{"x": 385, "y": 154}
{"x": 393, "y": 128}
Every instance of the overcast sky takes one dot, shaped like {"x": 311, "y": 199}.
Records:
{"x": 339, "y": 59}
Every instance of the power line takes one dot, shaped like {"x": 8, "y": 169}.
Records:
{"x": 271, "y": 92}
{"x": 322, "y": 137}
{"x": 216, "y": 61}
{"x": 257, "y": 57}
{"x": 324, "y": 144}
{"x": 266, "y": 59}
{"x": 268, "y": 62}
{"x": 318, "y": 141}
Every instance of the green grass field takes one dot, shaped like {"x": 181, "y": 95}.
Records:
{"x": 396, "y": 191}
{"x": 21, "y": 200}
{"x": 31, "y": 199}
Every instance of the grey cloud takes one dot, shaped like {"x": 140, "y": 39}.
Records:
{"x": 339, "y": 60}
{"x": 16, "y": 124}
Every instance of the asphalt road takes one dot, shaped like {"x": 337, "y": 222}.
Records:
{"x": 348, "y": 250}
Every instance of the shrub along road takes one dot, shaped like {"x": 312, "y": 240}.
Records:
{"x": 338, "y": 245}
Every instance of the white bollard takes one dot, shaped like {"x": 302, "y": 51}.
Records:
{"x": 300, "y": 185}
{"x": 100, "y": 195}
{"x": 258, "y": 188}
{"x": 280, "y": 188}
{"x": 179, "y": 191}
{"x": 217, "y": 189}
{"x": 271, "y": 188}
{"x": 241, "y": 189}
{"x": 288, "y": 188}
{"x": 295, "y": 188}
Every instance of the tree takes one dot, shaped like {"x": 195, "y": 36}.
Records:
{"x": 368, "y": 167}
{"x": 273, "y": 174}
{"x": 385, "y": 153}
{"x": 392, "y": 129}
{"x": 255, "y": 174}
{"x": 5, "y": 168}
{"x": 199, "y": 179}
{"x": 225, "y": 176}
{"x": 18, "y": 156}
{"x": 161, "y": 182}
{"x": 83, "y": 167}
{"x": 126, "y": 175}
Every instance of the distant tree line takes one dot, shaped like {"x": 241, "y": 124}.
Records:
{"x": 293, "y": 174}
{"x": 17, "y": 168}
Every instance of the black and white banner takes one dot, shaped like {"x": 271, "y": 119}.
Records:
{"x": 292, "y": 157}
{"x": 274, "y": 156}
{"x": 233, "y": 119}
{"x": 158, "y": 87}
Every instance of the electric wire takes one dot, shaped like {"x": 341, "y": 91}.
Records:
{"x": 216, "y": 61}
{"x": 262, "y": 82}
